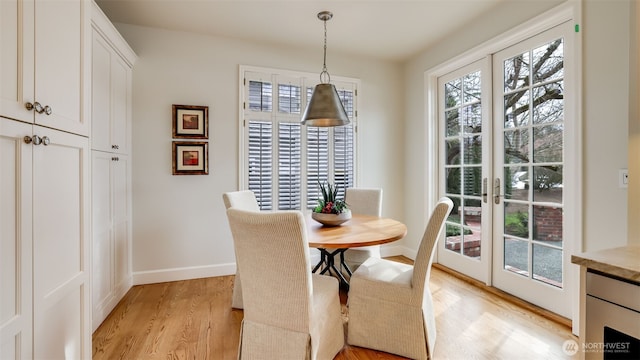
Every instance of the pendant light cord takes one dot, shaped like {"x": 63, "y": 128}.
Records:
{"x": 324, "y": 62}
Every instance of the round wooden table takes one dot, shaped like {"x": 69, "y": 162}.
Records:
{"x": 361, "y": 230}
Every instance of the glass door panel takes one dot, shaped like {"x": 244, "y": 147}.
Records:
{"x": 529, "y": 159}
{"x": 465, "y": 153}
{"x": 502, "y": 127}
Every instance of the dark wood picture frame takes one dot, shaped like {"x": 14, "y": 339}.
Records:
{"x": 190, "y": 121}
{"x": 190, "y": 158}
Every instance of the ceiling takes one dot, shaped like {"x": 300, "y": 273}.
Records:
{"x": 391, "y": 30}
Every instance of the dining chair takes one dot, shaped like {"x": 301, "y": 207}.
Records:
{"x": 390, "y": 304}
{"x": 289, "y": 313}
{"x": 245, "y": 200}
{"x": 365, "y": 202}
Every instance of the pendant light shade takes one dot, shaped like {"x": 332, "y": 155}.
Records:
{"x": 325, "y": 107}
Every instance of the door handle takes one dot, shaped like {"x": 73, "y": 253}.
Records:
{"x": 484, "y": 190}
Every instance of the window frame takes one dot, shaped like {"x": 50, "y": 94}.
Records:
{"x": 305, "y": 81}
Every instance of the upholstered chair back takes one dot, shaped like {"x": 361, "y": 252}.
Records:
{"x": 364, "y": 201}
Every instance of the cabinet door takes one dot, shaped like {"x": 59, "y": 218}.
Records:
{"x": 100, "y": 94}
{"x": 121, "y": 215}
{"x": 60, "y": 60}
{"x": 111, "y": 107}
{"x": 61, "y": 298}
{"x": 15, "y": 240}
{"x": 101, "y": 237}
{"x": 111, "y": 232}
{"x": 121, "y": 95}
{"x": 16, "y": 59}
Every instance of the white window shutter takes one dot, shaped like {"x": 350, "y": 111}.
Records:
{"x": 317, "y": 162}
{"x": 283, "y": 161}
{"x": 289, "y": 166}
{"x": 260, "y": 166}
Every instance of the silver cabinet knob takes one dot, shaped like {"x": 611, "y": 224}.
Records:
{"x": 37, "y": 107}
{"x": 37, "y": 140}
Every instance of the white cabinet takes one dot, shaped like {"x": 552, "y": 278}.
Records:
{"x": 44, "y": 77}
{"x": 44, "y": 241}
{"x": 112, "y": 61}
{"x": 111, "y": 89}
{"x": 45, "y": 309}
{"x": 111, "y": 232}
{"x": 15, "y": 240}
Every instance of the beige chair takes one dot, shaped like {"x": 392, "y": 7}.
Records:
{"x": 288, "y": 312}
{"x": 365, "y": 202}
{"x": 390, "y": 304}
{"x": 244, "y": 200}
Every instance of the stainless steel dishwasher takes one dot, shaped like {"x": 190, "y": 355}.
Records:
{"x": 612, "y": 318}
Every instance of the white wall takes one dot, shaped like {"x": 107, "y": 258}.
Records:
{"x": 180, "y": 229}
{"x": 606, "y": 104}
{"x": 605, "y": 57}
{"x": 633, "y": 217}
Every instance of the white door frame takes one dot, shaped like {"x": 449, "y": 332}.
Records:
{"x": 570, "y": 11}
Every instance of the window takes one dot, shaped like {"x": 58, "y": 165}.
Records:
{"x": 283, "y": 161}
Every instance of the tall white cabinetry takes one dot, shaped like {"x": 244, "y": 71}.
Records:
{"x": 112, "y": 63}
{"x": 43, "y": 62}
{"x": 44, "y": 179}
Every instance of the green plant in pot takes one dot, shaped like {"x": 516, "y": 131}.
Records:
{"x": 331, "y": 210}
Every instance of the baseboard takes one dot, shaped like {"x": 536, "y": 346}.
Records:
{"x": 185, "y": 273}
{"x": 197, "y": 272}
{"x": 396, "y": 250}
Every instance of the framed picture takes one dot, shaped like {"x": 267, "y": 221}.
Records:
{"x": 190, "y": 122}
{"x": 190, "y": 158}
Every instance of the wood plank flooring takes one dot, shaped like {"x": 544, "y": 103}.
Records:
{"x": 193, "y": 320}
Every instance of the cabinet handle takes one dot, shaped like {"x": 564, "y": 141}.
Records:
{"x": 38, "y": 108}
{"x": 27, "y": 139}
{"x": 37, "y": 140}
{"x": 46, "y": 141}
{"x": 115, "y": 158}
{"x": 115, "y": 147}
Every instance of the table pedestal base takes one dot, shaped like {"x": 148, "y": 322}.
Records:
{"x": 328, "y": 264}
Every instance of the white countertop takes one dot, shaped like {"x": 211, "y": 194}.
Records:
{"x": 623, "y": 262}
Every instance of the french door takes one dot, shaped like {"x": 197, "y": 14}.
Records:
{"x": 503, "y": 161}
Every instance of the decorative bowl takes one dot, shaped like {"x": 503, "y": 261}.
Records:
{"x": 332, "y": 219}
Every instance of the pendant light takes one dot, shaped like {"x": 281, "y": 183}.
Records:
{"x": 325, "y": 107}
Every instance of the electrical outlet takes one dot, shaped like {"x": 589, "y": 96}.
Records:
{"x": 623, "y": 178}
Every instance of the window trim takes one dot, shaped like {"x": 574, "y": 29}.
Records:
{"x": 305, "y": 80}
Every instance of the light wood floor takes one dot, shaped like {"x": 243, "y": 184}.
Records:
{"x": 193, "y": 320}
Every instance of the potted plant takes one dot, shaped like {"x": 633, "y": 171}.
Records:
{"x": 331, "y": 210}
